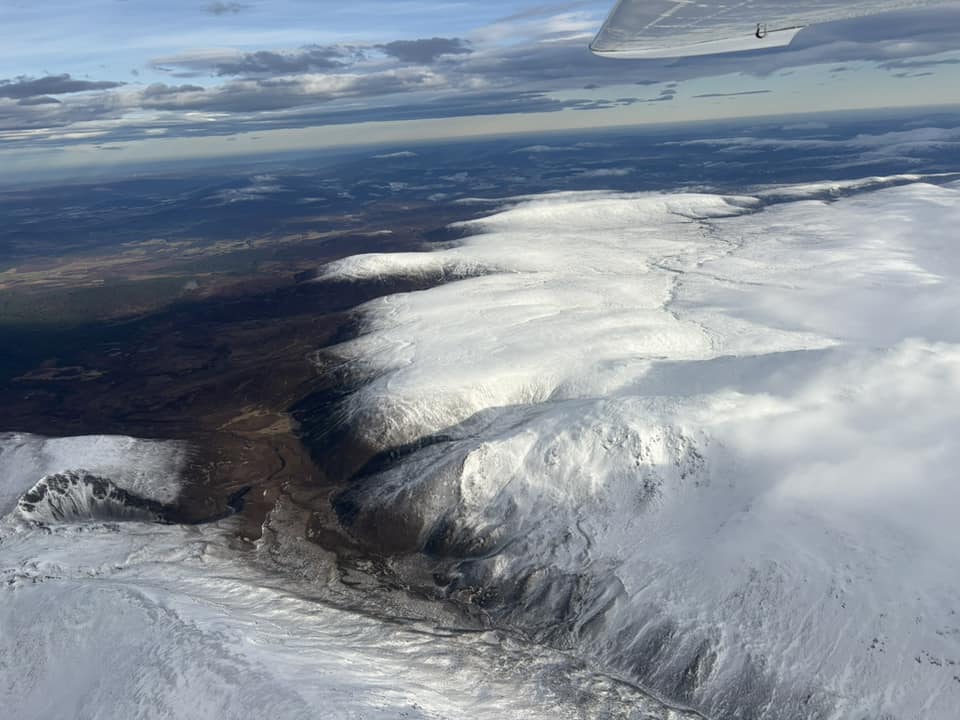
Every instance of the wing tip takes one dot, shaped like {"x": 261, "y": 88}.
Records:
{"x": 779, "y": 38}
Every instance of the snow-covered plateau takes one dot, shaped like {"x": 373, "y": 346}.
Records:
{"x": 708, "y": 442}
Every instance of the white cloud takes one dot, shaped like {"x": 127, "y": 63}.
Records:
{"x": 395, "y": 155}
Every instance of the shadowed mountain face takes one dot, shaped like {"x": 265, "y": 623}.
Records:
{"x": 618, "y": 425}
{"x": 72, "y": 497}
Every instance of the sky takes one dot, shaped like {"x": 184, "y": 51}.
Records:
{"x": 98, "y": 83}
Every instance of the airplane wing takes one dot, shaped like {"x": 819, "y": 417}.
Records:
{"x": 680, "y": 28}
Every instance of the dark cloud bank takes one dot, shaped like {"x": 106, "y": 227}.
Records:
{"x": 24, "y": 87}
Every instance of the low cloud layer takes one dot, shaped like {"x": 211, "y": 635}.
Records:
{"x": 732, "y": 94}
{"x": 312, "y": 58}
{"x": 426, "y": 51}
{"x": 226, "y": 8}
{"x": 26, "y": 87}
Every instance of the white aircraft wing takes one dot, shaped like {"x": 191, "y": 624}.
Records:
{"x": 679, "y": 28}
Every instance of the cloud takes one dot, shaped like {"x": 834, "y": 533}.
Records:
{"x": 243, "y": 105}
{"x": 39, "y": 100}
{"x": 805, "y": 126}
{"x": 25, "y": 87}
{"x": 20, "y": 119}
{"x": 426, "y": 50}
{"x": 732, "y": 94}
{"x": 546, "y": 10}
{"x": 226, "y": 8}
{"x": 901, "y": 146}
{"x": 606, "y": 172}
{"x": 294, "y": 108}
{"x": 541, "y": 24}
{"x": 161, "y": 90}
{"x": 273, "y": 93}
{"x": 908, "y": 75}
{"x": 395, "y": 155}
{"x": 513, "y": 66}
{"x": 901, "y": 64}
{"x": 307, "y": 59}
{"x": 540, "y": 63}
{"x": 259, "y": 188}
{"x": 538, "y": 149}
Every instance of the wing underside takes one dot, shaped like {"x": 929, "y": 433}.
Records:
{"x": 678, "y": 28}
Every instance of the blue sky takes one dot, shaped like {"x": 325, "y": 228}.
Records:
{"x": 94, "y": 82}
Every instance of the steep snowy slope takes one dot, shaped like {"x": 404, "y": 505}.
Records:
{"x": 709, "y": 441}
{"x": 147, "y": 468}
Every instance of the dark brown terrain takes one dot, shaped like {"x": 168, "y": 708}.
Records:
{"x": 225, "y": 362}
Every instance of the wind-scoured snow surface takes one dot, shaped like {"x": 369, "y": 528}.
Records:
{"x": 102, "y": 619}
{"x": 135, "y": 620}
{"x": 706, "y": 441}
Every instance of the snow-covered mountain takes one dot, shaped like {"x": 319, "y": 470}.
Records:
{"x": 706, "y": 441}
{"x": 81, "y": 477}
{"x": 104, "y": 620}
{"x": 700, "y": 443}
